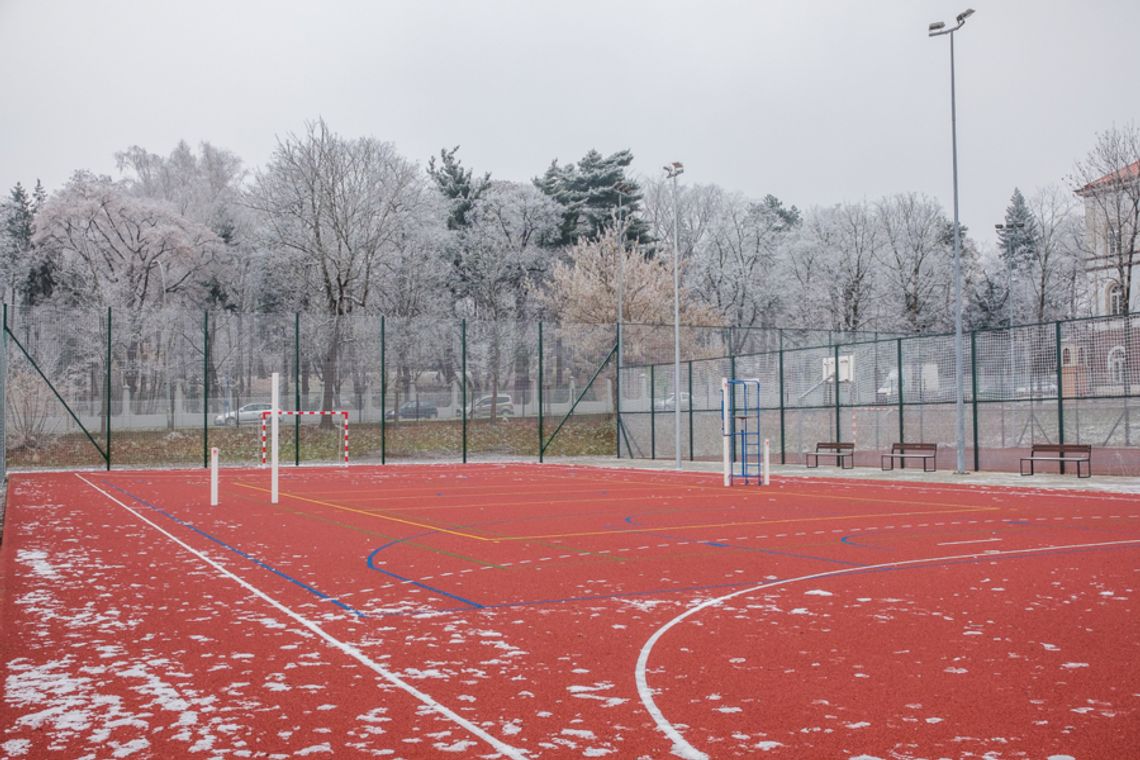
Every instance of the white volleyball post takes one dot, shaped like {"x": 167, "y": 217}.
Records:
{"x": 726, "y": 429}
{"x": 767, "y": 459}
{"x": 214, "y": 476}
{"x": 274, "y": 426}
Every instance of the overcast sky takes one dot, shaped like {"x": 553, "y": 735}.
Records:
{"x": 816, "y": 102}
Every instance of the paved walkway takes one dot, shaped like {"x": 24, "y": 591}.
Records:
{"x": 1109, "y": 483}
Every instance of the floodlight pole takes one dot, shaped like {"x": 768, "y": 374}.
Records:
{"x": 937, "y": 29}
{"x": 672, "y": 171}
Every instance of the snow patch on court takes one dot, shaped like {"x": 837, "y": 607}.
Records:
{"x": 1074, "y": 665}
{"x": 16, "y": 747}
{"x": 37, "y": 563}
{"x": 818, "y": 592}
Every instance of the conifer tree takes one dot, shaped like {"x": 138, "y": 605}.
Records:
{"x": 594, "y": 195}
{"x": 1018, "y": 237}
{"x": 457, "y": 185}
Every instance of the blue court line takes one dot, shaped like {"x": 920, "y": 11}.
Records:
{"x": 845, "y": 540}
{"x": 424, "y": 586}
{"x": 722, "y": 545}
{"x": 739, "y": 584}
{"x": 314, "y": 591}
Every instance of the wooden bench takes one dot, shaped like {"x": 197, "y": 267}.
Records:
{"x": 927, "y": 452}
{"x": 844, "y": 454}
{"x": 1060, "y": 452}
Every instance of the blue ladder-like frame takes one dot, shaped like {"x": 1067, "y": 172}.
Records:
{"x": 745, "y": 441}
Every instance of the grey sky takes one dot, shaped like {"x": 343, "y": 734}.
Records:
{"x": 816, "y": 102}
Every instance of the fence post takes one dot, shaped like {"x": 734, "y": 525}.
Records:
{"x": 205, "y": 388}
{"x": 1060, "y": 393}
{"x": 463, "y": 395}
{"x": 108, "y": 388}
{"x": 652, "y": 418}
{"x": 297, "y": 388}
{"x": 974, "y": 393}
{"x": 384, "y": 396}
{"x": 540, "y": 432}
{"x": 838, "y": 414}
{"x": 899, "y": 388}
{"x": 617, "y": 392}
{"x": 678, "y": 400}
{"x": 4, "y": 397}
{"x": 783, "y": 451}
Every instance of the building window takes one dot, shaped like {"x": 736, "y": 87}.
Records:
{"x": 1116, "y": 365}
{"x": 1066, "y": 357}
{"x": 1115, "y": 300}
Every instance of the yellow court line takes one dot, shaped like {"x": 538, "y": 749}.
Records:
{"x": 425, "y": 526}
{"x": 660, "y": 528}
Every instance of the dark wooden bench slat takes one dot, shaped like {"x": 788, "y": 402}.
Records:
{"x": 843, "y": 451}
{"x": 1078, "y": 453}
{"x": 927, "y": 452}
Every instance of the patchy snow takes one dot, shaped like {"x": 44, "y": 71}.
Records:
{"x": 1074, "y": 665}
{"x": 818, "y": 592}
{"x": 765, "y": 746}
{"x": 460, "y": 746}
{"x": 323, "y": 748}
{"x": 15, "y": 747}
{"x": 37, "y": 563}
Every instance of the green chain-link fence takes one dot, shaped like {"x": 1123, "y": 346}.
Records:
{"x": 1058, "y": 382}
{"x": 99, "y": 389}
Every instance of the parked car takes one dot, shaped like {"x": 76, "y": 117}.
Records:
{"x": 1038, "y": 389}
{"x": 413, "y": 410}
{"x": 481, "y": 407}
{"x": 666, "y": 404}
{"x": 250, "y": 413}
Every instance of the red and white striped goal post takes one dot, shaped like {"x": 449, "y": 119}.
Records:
{"x": 265, "y": 418}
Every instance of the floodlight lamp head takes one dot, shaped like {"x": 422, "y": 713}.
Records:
{"x": 965, "y": 15}
{"x": 935, "y": 26}
{"x": 999, "y": 227}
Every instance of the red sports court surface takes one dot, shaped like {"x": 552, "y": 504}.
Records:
{"x": 555, "y": 611}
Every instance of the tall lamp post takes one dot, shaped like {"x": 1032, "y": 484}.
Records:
{"x": 672, "y": 171}
{"x": 622, "y": 189}
{"x": 938, "y": 29}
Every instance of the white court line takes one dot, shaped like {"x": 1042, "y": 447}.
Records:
{"x": 971, "y": 541}
{"x": 349, "y": 649}
{"x": 682, "y": 748}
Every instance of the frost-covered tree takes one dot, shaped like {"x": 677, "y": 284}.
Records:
{"x": 1108, "y": 179}
{"x": 330, "y": 208}
{"x": 917, "y": 258}
{"x": 502, "y": 256}
{"x": 1055, "y": 275}
{"x": 735, "y": 269}
{"x": 590, "y": 192}
{"x": 108, "y": 247}
{"x": 28, "y": 276}
{"x": 111, "y": 248}
{"x": 583, "y": 288}
{"x": 206, "y": 187}
{"x": 843, "y": 244}
{"x": 458, "y": 185}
